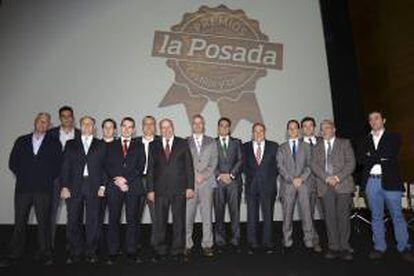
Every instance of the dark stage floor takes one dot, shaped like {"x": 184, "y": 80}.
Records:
{"x": 294, "y": 263}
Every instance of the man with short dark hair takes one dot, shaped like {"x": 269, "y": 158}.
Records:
{"x": 124, "y": 165}
{"x": 383, "y": 185}
{"x": 34, "y": 160}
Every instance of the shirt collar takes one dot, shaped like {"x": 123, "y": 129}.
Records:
{"x": 380, "y": 133}
{"x": 71, "y": 132}
{"x": 198, "y": 136}
{"x": 145, "y": 140}
{"x": 38, "y": 137}
{"x": 332, "y": 140}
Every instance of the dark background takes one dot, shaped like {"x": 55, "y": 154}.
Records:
{"x": 370, "y": 49}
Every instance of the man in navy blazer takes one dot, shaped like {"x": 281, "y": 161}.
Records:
{"x": 260, "y": 169}
{"x": 34, "y": 160}
{"x": 83, "y": 184}
{"x": 124, "y": 165}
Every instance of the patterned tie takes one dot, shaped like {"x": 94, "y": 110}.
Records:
{"x": 167, "y": 149}
{"x": 258, "y": 153}
{"x": 198, "y": 144}
{"x": 125, "y": 148}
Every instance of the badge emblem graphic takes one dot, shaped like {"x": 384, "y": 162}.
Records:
{"x": 217, "y": 54}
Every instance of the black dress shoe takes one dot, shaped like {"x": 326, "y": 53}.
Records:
{"x": 72, "y": 260}
{"x": 330, "y": 255}
{"x": 92, "y": 259}
{"x": 208, "y": 252}
{"x": 375, "y": 255}
{"x": 7, "y": 262}
{"x": 220, "y": 249}
{"x": 111, "y": 260}
{"x": 131, "y": 259}
{"x": 269, "y": 250}
{"x": 47, "y": 261}
{"x": 346, "y": 255}
{"x": 159, "y": 259}
{"x": 236, "y": 249}
{"x": 287, "y": 250}
{"x": 407, "y": 256}
{"x": 252, "y": 250}
{"x": 178, "y": 259}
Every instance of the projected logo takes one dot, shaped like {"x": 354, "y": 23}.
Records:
{"x": 218, "y": 55}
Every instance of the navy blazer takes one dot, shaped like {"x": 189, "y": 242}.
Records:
{"x": 386, "y": 155}
{"x": 74, "y": 160}
{"x": 261, "y": 178}
{"x": 130, "y": 167}
{"x": 35, "y": 173}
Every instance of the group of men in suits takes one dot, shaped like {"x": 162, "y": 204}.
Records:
{"x": 202, "y": 173}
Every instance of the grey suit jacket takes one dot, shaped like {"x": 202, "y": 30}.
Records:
{"x": 205, "y": 162}
{"x": 311, "y": 181}
{"x": 290, "y": 168}
{"x": 343, "y": 162}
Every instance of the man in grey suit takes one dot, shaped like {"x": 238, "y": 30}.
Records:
{"x": 229, "y": 185}
{"x": 308, "y": 125}
{"x": 204, "y": 152}
{"x": 333, "y": 162}
{"x": 293, "y": 160}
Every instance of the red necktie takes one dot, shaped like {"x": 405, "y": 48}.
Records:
{"x": 125, "y": 147}
{"x": 167, "y": 149}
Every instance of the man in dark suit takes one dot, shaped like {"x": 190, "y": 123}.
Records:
{"x": 124, "y": 165}
{"x": 378, "y": 155}
{"x": 83, "y": 184}
{"x": 308, "y": 125}
{"x": 170, "y": 184}
{"x": 333, "y": 163}
{"x": 260, "y": 169}
{"x": 148, "y": 136}
{"x": 34, "y": 160}
{"x": 109, "y": 133}
{"x": 228, "y": 189}
{"x": 64, "y": 132}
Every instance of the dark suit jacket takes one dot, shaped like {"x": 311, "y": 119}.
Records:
{"x": 386, "y": 155}
{"x": 54, "y": 133}
{"x": 74, "y": 160}
{"x": 232, "y": 161}
{"x": 35, "y": 173}
{"x": 130, "y": 167}
{"x": 174, "y": 176}
{"x": 261, "y": 178}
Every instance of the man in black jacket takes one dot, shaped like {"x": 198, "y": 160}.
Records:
{"x": 83, "y": 184}
{"x": 260, "y": 169}
{"x": 378, "y": 155}
{"x": 170, "y": 183}
{"x": 34, "y": 161}
{"x": 124, "y": 165}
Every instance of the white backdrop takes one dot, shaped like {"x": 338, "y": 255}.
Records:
{"x": 96, "y": 56}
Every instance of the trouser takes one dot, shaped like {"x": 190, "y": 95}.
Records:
{"x": 55, "y": 211}
{"x": 203, "y": 197}
{"x": 255, "y": 203}
{"x": 227, "y": 195}
{"x": 290, "y": 195}
{"x": 151, "y": 212}
{"x": 377, "y": 198}
{"x": 337, "y": 209}
{"x": 116, "y": 200}
{"x": 315, "y": 204}
{"x": 83, "y": 241}
{"x": 163, "y": 203}
{"x": 23, "y": 202}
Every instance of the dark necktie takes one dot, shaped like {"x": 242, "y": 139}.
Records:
{"x": 294, "y": 150}
{"x": 329, "y": 167}
{"x": 167, "y": 149}
{"x": 125, "y": 148}
{"x": 224, "y": 146}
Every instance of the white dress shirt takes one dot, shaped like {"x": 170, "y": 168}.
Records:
{"x": 164, "y": 142}
{"x": 376, "y": 137}
{"x": 309, "y": 139}
{"x": 66, "y": 136}
{"x": 332, "y": 141}
{"x": 198, "y": 140}
{"x": 262, "y": 147}
{"x": 37, "y": 142}
{"x": 146, "y": 143}
{"x": 86, "y": 142}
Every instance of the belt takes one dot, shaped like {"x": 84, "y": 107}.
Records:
{"x": 375, "y": 176}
